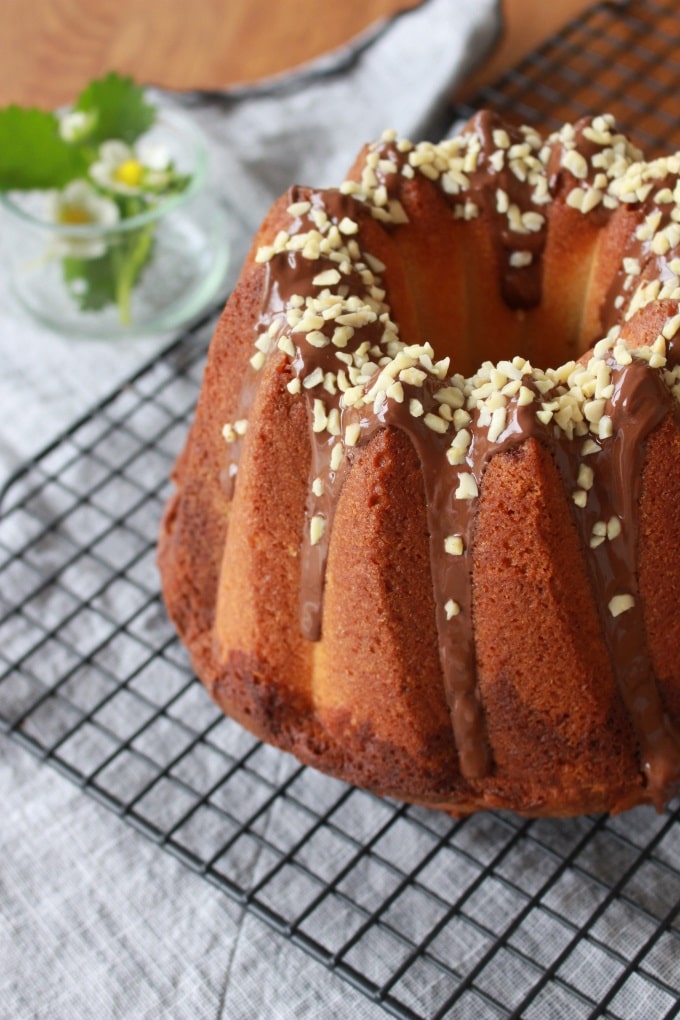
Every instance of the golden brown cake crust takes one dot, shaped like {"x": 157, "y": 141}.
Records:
{"x": 458, "y": 586}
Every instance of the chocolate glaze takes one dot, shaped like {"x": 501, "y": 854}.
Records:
{"x": 640, "y": 401}
{"x": 639, "y": 404}
{"x": 520, "y": 287}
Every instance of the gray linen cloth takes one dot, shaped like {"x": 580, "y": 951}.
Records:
{"x": 94, "y": 920}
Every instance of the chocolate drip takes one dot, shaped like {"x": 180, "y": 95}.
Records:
{"x": 452, "y": 582}
{"x": 315, "y": 556}
{"x": 521, "y": 287}
{"x": 291, "y": 276}
{"x": 639, "y": 404}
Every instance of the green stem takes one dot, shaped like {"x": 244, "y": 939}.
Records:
{"x": 129, "y": 265}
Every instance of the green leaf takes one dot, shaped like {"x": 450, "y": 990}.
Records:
{"x": 32, "y": 153}
{"x": 120, "y": 109}
{"x": 91, "y": 282}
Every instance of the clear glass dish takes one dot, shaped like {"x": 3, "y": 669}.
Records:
{"x": 186, "y": 232}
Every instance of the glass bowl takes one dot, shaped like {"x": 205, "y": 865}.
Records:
{"x": 64, "y": 274}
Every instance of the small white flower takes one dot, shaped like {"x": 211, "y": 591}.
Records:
{"x": 79, "y": 205}
{"x": 121, "y": 169}
{"x": 154, "y": 156}
{"x": 157, "y": 166}
{"x": 117, "y": 168}
{"x": 75, "y": 125}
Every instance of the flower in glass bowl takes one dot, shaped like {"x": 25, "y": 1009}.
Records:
{"x": 124, "y": 171}
{"x": 80, "y": 204}
{"x": 132, "y": 180}
{"x": 111, "y": 189}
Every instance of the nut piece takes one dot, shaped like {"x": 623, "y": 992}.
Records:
{"x": 467, "y": 486}
{"x": 317, "y": 527}
{"x": 451, "y": 609}
{"x": 234, "y": 430}
{"x": 453, "y": 545}
{"x": 621, "y": 604}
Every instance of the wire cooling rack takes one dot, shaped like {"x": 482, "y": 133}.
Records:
{"x": 622, "y": 58}
{"x": 492, "y": 916}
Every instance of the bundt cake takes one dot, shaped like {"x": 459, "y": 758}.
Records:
{"x": 404, "y": 547}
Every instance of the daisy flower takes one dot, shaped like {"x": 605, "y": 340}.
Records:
{"x": 125, "y": 171}
{"x": 79, "y": 205}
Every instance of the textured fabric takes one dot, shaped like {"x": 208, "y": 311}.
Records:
{"x": 96, "y": 921}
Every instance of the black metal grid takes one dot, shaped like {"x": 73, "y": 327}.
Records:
{"x": 622, "y": 58}
{"x": 492, "y": 916}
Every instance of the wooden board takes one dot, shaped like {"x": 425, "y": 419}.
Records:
{"x": 49, "y": 49}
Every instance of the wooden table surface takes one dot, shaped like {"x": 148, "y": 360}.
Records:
{"x": 49, "y": 49}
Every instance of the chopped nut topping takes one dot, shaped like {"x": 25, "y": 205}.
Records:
{"x": 467, "y": 486}
{"x": 317, "y": 528}
{"x": 299, "y": 208}
{"x": 352, "y": 433}
{"x": 671, "y": 327}
{"x": 337, "y": 456}
{"x": 453, "y": 545}
{"x": 613, "y": 528}
{"x": 320, "y": 416}
{"x": 327, "y": 279}
{"x": 436, "y": 423}
{"x": 234, "y": 430}
{"x": 575, "y": 163}
{"x": 498, "y": 420}
{"x": 451, "y": 609}
{"x": 621, "y": 604}
{"x": 519, "y": 259}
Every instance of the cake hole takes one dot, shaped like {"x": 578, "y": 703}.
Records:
{"x": 458, "y": 304}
